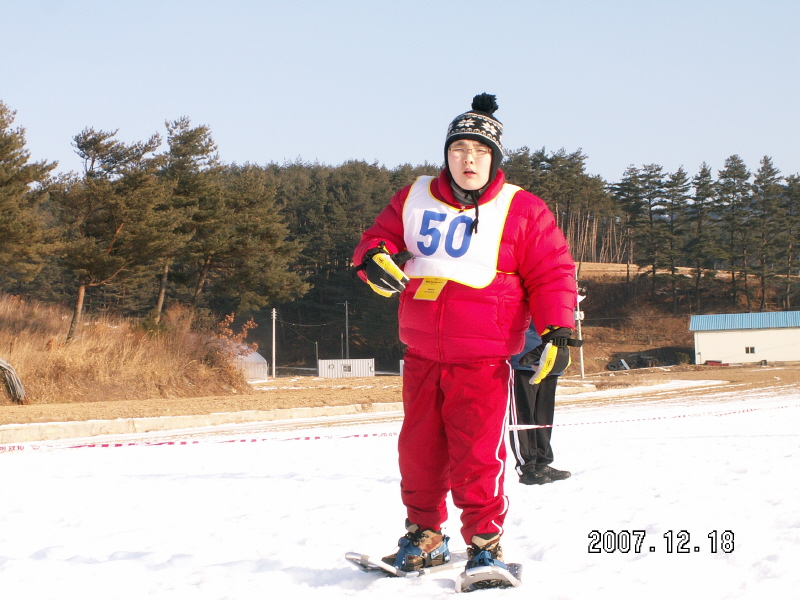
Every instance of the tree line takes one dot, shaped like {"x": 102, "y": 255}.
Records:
{"x": 745, "y": 224}
{"x": 165, "y": 220}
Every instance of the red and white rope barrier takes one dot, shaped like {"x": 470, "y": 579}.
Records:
{"x": 658, "y": 418}
{"x": 70, "y": 445}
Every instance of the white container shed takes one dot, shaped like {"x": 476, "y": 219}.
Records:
{"x": 746, "y": 337}
{"x": 346, "y": 367}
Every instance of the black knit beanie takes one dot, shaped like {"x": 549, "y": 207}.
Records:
{"x": 479, "y": 125}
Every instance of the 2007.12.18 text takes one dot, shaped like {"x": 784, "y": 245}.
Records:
{"x": 635, "y": 541}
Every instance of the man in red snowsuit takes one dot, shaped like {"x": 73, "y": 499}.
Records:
{"x": 479, "y": 258}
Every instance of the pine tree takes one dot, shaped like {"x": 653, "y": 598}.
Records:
{"x": 628, "y": 196}
{"x": 734, "y": 197}
{"x": 112, "y": 219}
{"x": 676, "y": 195}
{"x": 192, "y": 169}
{"x": 642, "y": 196}
{"x": 23, "y": 185}
{"x": 241, "y": 255}
{"x": 579, "y": 201}
{"x": 701, "y": 247}
{"x": 653, "y": 236}
{"x": 255, "y": 267}
{"x": 518, "y": 168}
{"x": 767, "y": 223}
{"x": 790, "y": 255}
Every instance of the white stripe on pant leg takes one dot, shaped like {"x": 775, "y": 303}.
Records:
{"x": 509, "y": 401}
{"x": 514, "y": 437}
{"x": 504, "y": 430}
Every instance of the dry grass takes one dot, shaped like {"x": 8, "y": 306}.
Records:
{"x": 110, "y": 358}
{"x": 650, "y": 328}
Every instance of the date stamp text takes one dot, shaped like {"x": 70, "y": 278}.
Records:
{"x": 671, "y": 542}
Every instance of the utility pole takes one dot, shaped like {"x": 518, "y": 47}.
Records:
{"x": 346, "y": 336}
{"x": 579, "y": 316}
{"x": 274, "y": 317}
{"x": 347, "y": 329}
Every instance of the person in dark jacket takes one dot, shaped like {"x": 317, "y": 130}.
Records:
{"x": 534, "y": 405}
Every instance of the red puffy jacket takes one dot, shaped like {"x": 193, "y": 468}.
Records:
{"x": 535, "y": 278}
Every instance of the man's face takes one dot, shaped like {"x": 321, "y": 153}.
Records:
{"x": 470, "y": 163}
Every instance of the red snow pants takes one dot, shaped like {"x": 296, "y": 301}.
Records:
{"x": 453, "y": 440}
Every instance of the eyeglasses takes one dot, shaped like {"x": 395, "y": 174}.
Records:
{"x": 478, "y": 152}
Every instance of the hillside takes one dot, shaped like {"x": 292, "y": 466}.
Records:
{"x": 118, "y": 360}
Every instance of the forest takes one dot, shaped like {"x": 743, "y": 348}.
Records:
{"x": 166, "y": 222}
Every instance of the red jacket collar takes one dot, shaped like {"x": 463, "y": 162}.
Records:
{"x": 440, "y": 187}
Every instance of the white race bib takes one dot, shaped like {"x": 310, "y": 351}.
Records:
{"x": 440, "y": 238}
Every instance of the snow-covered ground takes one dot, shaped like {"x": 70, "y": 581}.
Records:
{"x": 273, "y": 518}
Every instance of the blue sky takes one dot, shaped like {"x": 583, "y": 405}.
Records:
{"x": 669, "y": 82}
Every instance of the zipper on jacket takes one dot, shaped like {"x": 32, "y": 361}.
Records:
{"x": 440, "y": 321}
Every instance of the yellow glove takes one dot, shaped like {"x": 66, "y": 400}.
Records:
{"x": 552, "y": 355}
{"x": 383, "y": 271}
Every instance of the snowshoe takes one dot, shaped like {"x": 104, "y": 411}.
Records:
{"x": 375, "y": 565}
{"x": 485, "y": 568}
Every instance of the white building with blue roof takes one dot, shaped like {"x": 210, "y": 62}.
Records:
{"x": 746, "y": 337}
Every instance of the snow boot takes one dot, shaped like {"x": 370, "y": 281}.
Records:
{"x": 553, "y": 474}
{"x": 534, "y": 478}
{"x": 419, "y": 549}
{"x": 485, "y": 547}
{"x": 485, "y": 567}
